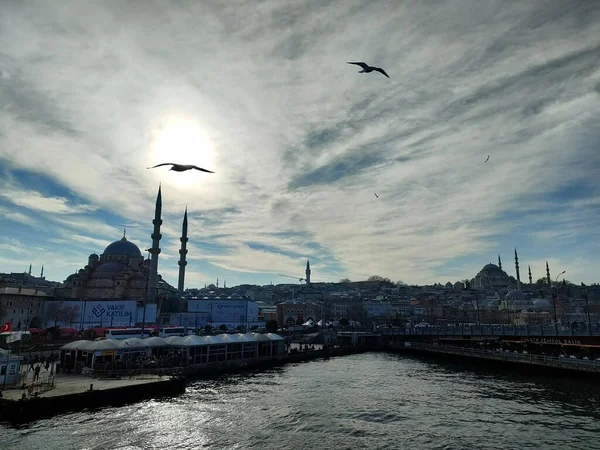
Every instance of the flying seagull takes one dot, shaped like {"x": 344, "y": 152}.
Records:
{"x": 180, "y": 167}
{"x": 368, "y": 69}
{"x": 488, "y": 158}
{"x": 376, "y": 194}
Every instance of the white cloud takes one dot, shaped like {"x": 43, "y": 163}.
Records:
{"x": 298, "y": 140}
{"x": 38, "y": 202}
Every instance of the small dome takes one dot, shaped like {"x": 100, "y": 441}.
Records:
{"x": 122, "y": 247}
{"x": 110, "y": 267}
{"x": 516, "y": 294}
{"x": 542, "y": 303}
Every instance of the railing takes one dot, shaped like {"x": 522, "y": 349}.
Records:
{"x": 490, "y": 330}
{"x": 39, "y": 386}
{"x": 540, "y": 360}
{"x": 100, "y": 371}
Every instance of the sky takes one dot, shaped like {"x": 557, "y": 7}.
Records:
{"x": 92, "y": 93}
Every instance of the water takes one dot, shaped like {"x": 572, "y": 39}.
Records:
{"x": 369, "y": 401}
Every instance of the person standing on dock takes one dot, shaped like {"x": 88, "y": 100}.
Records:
{"x": 36, "y": 373}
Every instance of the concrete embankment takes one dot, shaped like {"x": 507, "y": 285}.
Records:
{"x": 75, "y": 395}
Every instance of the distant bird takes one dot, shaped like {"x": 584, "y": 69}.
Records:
{"x": 488, "y": 158}
{"x": 180, "y": 167}
{"x": 368, "y": 69}
{"x": 376, "y": 194}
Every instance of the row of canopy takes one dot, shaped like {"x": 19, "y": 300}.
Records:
{"x": 171, "y": 341}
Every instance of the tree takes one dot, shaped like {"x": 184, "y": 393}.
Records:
{"x": 208, "y": 329}
{"x": 271, "y": 326}
{"x": 345, "y": 280}
{"x": 35, "y": 322}
{"x": 223, "y": 327}
{"x": 254, "y": 327}
{"x": 378, "y": 279}
{"x": 70, "y": 314}
{"x": 55, "y": 312}
{"x": 344, "y": 322}
{"x": 401, "y": 283}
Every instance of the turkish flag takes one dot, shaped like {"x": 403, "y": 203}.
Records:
{"x": 6, "y": 327}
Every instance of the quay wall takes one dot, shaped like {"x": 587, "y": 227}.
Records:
{"x": 27, "y": 410}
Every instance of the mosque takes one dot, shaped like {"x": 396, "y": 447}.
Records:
{"x": 122, "y": 273}
{"x": 493, "y": 278}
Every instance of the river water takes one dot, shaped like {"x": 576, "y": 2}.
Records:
{"x": 369, "y": 401}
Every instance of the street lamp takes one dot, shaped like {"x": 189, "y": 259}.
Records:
{"x": 145, "y": 298}
{"x": 554, "y": 294}
{"x": 587, "y": 308}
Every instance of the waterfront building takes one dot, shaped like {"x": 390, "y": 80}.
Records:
{"x": 22, "y": 307}
{"x": 10, "y": 368}
{"x": 233, "y": 311}
{"x": 378, "y": 309}
{"x": 294, "y": 312}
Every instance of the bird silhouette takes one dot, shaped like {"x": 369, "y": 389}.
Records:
{"x": 376, "y": 194}
{"x": 488, "y": 158}
{"x": 368, "y": 69}
{"x": 180, "y": 167}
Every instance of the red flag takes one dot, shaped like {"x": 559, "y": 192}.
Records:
{"x": 6, "y": 327}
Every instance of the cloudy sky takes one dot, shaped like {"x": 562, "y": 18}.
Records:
{"x": 91, "y": 93}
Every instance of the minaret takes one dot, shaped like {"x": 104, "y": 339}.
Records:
{"x": 517, "y": 269}
{"x": 42, "y": 272}
{"x": 29, "y": 269}
{"x": 182, "y": 252}
{"x": 224, "y": 284}
{"x": 155, "y": 250}
{"x": 499, "y": 262}
{"x": 548, "y": 274}
{"x": 530, "y": 279}
{"x": 217, "y": 282}
{"x": 307, "y": 272}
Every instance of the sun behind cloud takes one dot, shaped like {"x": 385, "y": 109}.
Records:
{"x": 181, "y": 141}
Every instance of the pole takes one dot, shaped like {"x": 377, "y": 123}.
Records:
{"x": 6, "y": 370}
{"x": 554, "y": 298}
{"x": 26, "y": 326}
{"x": 587, "y": 309}
{"x": 145, "y": 300}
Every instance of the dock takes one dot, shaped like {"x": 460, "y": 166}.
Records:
{"x": 71, "y": 393}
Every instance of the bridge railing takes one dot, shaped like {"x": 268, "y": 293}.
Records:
{"x": 490, "y": 330}
{"x": 569, "y": 363}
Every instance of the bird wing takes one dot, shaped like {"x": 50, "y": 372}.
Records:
{"x": 163, "y": 164}
{"x": 488, "y": 158}
{"x": 380, "y": 70}
{"x": 376, "y": 195}
{"x": 361, "y": 64}
{"x": 200, "y": 168}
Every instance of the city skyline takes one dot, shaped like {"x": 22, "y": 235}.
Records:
{"x": 299, "y": 141}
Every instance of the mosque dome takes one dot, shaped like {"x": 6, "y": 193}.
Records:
{"x": 516, "y": 294}
{"x": 111, "y": 267}
{"x": 492, "y": 268}
{"x": 542, "y": 303}
{"x": 122, "y": 247}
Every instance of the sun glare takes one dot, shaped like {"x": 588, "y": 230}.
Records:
{"x": 182, "y": 142}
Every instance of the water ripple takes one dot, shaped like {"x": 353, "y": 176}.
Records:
{"x": 370, "y": 401}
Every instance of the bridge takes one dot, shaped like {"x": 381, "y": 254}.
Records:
{"x": 491, "y": 331}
